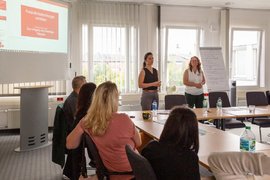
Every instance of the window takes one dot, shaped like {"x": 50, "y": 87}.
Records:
{"x": 181, "y": 44}
{"x": 109, "y": 62}
{"x": 114, "y": 53}
{"x": 246, "y": 52}
{"x": 85, "y": 57}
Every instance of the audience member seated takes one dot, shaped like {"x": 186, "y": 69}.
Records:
{"x": 71, "y": 101}
{"x": 69, "y": 109}
{"x": 110, "y": 130}
{"x": 174, "y": 156}
{"x": 84, "y": 102}
{"x": 239, "y": 165}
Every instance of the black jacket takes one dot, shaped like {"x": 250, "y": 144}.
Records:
{"x": 170, "y": 163}
{"x": 59, "y": 136}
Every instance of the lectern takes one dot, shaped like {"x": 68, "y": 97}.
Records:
{"x": 33, "y": 117}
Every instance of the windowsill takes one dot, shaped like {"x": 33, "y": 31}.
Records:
{"x": 9, "y": 100}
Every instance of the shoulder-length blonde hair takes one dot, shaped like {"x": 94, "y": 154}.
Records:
{"x": 198, "y": 66}
{"x": 104, "y": 104}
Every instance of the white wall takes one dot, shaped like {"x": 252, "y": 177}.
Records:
{"x": 211, "y": 21}
{"x": 148, "y": 41}
{"x": 147, "y": 34}
{"x": 205, "y": 18}
{"x": 255, "y": 19}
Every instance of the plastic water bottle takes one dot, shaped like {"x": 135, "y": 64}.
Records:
{"x": 219, "y": 104}
{"x": 247, "y": 140}
{"x": 154, "y": 108}
{"x": 205, "y": 105}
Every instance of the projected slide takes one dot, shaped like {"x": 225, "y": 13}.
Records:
{"x": 33, "y": 25}
{"x": 39, "y": 23}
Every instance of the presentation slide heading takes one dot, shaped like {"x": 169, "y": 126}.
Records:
{"x": 33, "y": 25}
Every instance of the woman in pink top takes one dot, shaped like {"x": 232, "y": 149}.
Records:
{"x": 110, "y": 130}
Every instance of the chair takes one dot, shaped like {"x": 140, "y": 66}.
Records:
{"x": 101, "y": 171}
{"x": 142, "y": 169}
{"x": 59, "y": 136}
{"x": 239, "y": 165}
{"x": 172, "y": 100}
{"x": 268, "y": 96}
{"x": 228, "y": 123}
{"x": 258, "y": 98}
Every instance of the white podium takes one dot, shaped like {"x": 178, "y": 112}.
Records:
{"x": 34, "y": 118}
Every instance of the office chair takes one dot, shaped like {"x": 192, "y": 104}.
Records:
{"x": 228, "y": 123}
{"x": 101, "y": 171}
{"x": 245, "y": 163}
{"x": 172, "y": 100}
{"x": 258, "y": 98}
{"x": 268, "y": 96}
{"x": 142, "y": 169}
{"x": 59, "y": 136}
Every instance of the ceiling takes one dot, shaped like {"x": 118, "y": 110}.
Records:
{"x": 242, "y": 4}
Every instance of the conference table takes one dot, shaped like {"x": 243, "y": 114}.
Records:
{"x": 231, "y": 112}
{"x": 243, "y": 112}
{"x": 211, "y": 139}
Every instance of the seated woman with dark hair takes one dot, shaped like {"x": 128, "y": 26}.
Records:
{"x": 174, "y": 156}
{"x": 73, "y": 165}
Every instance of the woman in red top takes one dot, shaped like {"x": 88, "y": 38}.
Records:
{"x": 110, "y": 130}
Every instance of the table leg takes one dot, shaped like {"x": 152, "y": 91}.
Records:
{"x": 222, "y": 121}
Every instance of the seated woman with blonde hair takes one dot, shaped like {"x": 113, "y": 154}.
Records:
{"x": 110, "y": 130}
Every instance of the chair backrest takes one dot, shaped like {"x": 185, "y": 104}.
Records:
{"x": 101, "y": 170}
{"x": 268, "y": 96}
{"x": 59, "y": 136}
{"x": 172, "y": 100}
{"x": 142, "y": 169}
{"x": 256, "y": 98}
{"x": 213, "y": 97}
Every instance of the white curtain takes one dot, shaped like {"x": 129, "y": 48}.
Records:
{"x": 106, "y": 33}
{"x": 104, "y": 13}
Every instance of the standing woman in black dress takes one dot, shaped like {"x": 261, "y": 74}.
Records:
{"x": 148, "y": 80}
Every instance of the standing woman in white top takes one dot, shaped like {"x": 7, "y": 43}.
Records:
{"x": 194, "y": 80}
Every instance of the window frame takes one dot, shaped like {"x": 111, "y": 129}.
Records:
{"x": 165, "y": 62}
{"x": 260, "y": 70}
{"x": 128, "y": 53}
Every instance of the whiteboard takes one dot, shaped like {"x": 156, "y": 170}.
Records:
{"x": 214, "y": 69}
